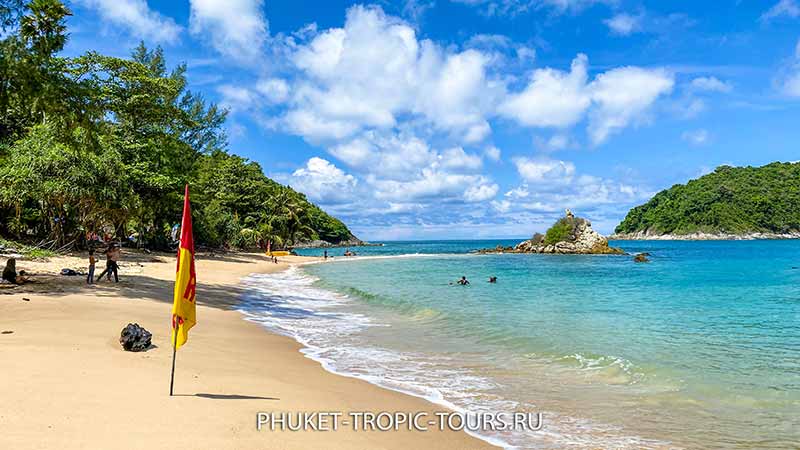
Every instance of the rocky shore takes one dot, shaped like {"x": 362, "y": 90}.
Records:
{"x": 647, "y": 235}
{"x": 352, "y": 242}
{"x": 569, "y": 235}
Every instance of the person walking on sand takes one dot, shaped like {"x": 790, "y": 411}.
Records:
{"x": 90, "y": 276}
{"x": 325, "y": 255}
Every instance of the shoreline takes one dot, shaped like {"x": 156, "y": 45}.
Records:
{"x": 640, "y": 236}
{"x": 309, "y": 350}
{"x": 76, "y": 388}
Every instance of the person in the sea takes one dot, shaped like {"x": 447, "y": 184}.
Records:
{"x": 492, "y": 279}
{"x": 463, "y": 281}
{"x": 90, "y": 275}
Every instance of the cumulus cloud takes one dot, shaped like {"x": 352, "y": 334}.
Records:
{"x": 561, "y": 99}
{"x": 235, "y": 28}
{"x": 457, "y": 158}
{"x": 553, "y": 98}
{"x": 323, "y": 182}
{"x": 137, "y": 18}
{"x": 784, "y": 8}
{"x": 623, "y": 94}
{"x": 711, "y": 84}
{"x": 374, "y": 70}
{"x": 624, "y": 24}
{"x": 559, "y": 141}
{"x": 591, "y": 196}
{"x": 544, "y": 170}
{"x": 275, "y": 90}
{"x": 407, "y": 120}
{"x": 696, "y": 137}
{"x": 435, "y": 184}
{"x": 492, "y": 152}
{"x": 236, "y": 98}
{"x": 518, "y": 192}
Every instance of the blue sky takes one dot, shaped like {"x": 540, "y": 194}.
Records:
{"x": 479, "y": 118}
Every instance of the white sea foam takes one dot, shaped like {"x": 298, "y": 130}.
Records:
{"x": 324, "y": 322}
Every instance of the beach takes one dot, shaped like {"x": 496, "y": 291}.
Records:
{"x": 67, "y": 383}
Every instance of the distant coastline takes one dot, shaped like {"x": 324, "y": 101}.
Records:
{"x": 645, "y": 236}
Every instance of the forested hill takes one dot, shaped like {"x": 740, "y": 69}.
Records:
{"x": 100, "y": 144}
{"x": 731, "y": 200}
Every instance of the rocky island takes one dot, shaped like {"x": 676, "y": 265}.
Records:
{"x": 569, "y": 235}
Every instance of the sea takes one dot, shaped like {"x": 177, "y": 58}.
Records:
{"x": 698, "y": 348}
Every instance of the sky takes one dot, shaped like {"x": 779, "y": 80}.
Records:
{"x": 454, "y": 119}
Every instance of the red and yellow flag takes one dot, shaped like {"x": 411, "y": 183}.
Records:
{"x": 183, "y": 306}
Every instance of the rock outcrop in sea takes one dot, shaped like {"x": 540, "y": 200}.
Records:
{"x": 569, "y": 235}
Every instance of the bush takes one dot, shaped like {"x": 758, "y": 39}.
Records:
{"x": 562, "y": 230}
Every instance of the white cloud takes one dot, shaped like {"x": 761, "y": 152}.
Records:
{"x": 791, "y": 86}
{"x": 712, "y": 84}
{"x": 558, "y": 99}
{"x": 434, "y": 184}
{"x": 589, "y": 196}
{"x": 406, "y": 121}
{"x": 622, "y": 95}
{"x": 559, "y": 141}
{"x": 518, "y": 192}
{"x": 138, "y": 18}
{"x": 374, "y": 70}
{"x": 236, "y": 98}
{"x": 235, "y": 28}
{"x": 480, "y": 192}
{"x": 275, "y": 90}
{"x": 323, "y": 182}
{"x": 403, "y": 169}
{"x": 390, "y": 156}
{"x": 544, "y": 170}
{"x": 624, "y": 24}
{"x": 514, "y": 7}
{"x": 492, "y": 152}
{"x": 789, "y": 80}
{"x": 457, "y": 158}
{"x": 696, "y": 137}
{"x": 552, "y": 98}
{"x": 787, "y": 8}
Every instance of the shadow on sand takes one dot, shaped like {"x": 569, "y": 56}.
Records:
{"x": 225, "y": 396}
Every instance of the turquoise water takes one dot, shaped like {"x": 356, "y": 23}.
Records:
{"x": 699, "y": 348}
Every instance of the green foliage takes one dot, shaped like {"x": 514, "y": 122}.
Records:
{"x": 562, "y": 230}
{"x": 27, "y": 250}
{"x": 98, "y": 143}
{"x": 731, "y": 200}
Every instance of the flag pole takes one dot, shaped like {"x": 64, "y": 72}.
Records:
{"x": 174, "y": 352}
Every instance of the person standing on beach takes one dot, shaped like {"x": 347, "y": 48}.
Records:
{"x": 90, "y": 276}
{"x": 112, "y": 256}
{"x": 326, "y": 254}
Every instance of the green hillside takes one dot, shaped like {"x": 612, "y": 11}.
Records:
{"x": 733, "y": 200}
{"x": 101, "y": 144}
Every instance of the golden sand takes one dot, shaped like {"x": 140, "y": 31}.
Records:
{"x": 66, "y": 383}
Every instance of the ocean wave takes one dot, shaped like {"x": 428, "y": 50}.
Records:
{"x": 323, "y": 321}
{"x": 612, "y": 369}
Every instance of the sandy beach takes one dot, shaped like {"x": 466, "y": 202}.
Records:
{"x": 66, "y": 382}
